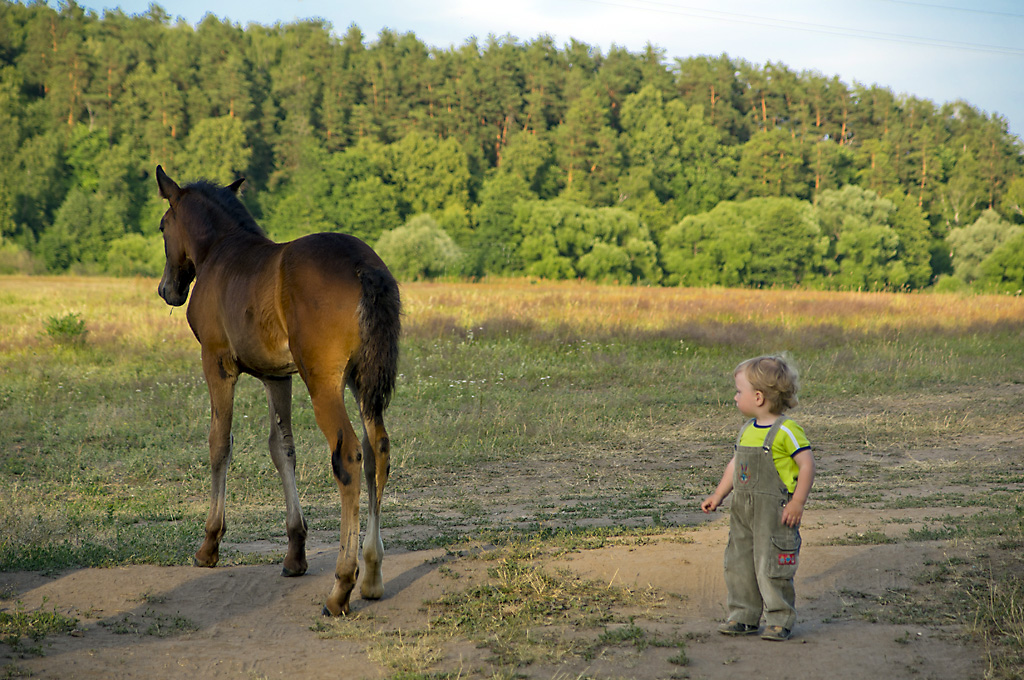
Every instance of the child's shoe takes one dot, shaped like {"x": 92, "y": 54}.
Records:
{"x": 737, "y": 628}
{"x": 776, "y": 633}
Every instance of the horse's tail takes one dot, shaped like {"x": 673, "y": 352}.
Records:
{"x": 380, "y": 325}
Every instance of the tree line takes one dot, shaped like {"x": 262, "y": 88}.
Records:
{"x": 497, "y": 157}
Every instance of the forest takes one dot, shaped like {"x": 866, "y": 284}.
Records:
{"x": 500, "y": 157}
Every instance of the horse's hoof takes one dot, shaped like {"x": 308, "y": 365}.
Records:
{"x": 197, "y": 563}
{"x": 288, "y": 573}
{"x": 329, "y": 614}
{"x": 372, "y": 593}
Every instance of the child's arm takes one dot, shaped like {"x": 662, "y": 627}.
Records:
{"x": 794, "y": 510}
{"x": 712, "y": 502}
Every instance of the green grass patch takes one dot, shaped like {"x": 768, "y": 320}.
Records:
{"x": 24, "y": 631}
{"x": 864, "y": 538}
{"x": 536, "y": 418}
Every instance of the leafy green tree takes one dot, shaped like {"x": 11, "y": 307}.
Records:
{"x": 925, "y": 169}
{"x": 216, "y": 149}
{"x": 822, "y": 110}
{"x": 649, "y": 140}
{"x": 496, "y": 241}
{"x": 99, "y": 210}
{"x": 963, "y": 192}
{"x": 497, "y": 100}
{"x": 565, "y": 240}
{"x": 759, "y": 242}
{"x": 222, "y": 71}
{"x": 14, "y": 259}
{"x": 43, "y": 185}
{"x": 84, "y": 146}
{"x": 708, "y": 166}
{"x": 695, "y": 253}
{"x": 343, "y": 86}
{"x": 712, "y": 84}
{"x": 429, "y": 173}
{"x": 876, "y": 169}
{"x": 60, "y": 245}
{"x": 866, "y": 250}
{"x": 135, "y": 255}
{"x": 540, "y": 249}
{"x": 653, "y": 157}
{"x": 875, "y": 113}
{"x": 11, "y": 102}
{"x": 343, "y": 192}
{"x": 831, "y": 165}
{"x": 363, "y": 201}
{"x": 543, "y": 85}
{"x": 66, "y": 62}
{"x": 678, "y": 165}
{"x": 916, "y": 250}
{"x": 1012, "y": 204}
{"x": 1003, "y": 270}
{"x": 620, "y": 75}
{"x": 152, "y": 112}
{"x": 587, "y": 151}
{"x": 419, "y": 250}
{"x": 529, "y": 155}
{"x": 866, "y": 254}
{"x": 973, "y": 244}
{"x": 772, "y": 163}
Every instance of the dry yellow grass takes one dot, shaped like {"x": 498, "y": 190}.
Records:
{"x": 124, "y": 311}
{"x": 588, "y": 306}
{"x": 129, "y": 311}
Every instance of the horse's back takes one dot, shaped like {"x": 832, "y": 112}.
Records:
{"x": 321, "y": 289}
{"x": 339, "y": 253}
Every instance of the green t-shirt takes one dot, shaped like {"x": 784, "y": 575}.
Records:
{"x": 789, "y": 441}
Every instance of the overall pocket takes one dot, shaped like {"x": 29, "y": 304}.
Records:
{"x": 785, "y": 555}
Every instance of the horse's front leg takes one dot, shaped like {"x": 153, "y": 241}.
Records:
{"x": 282, "y": 452}
{"x": 221, "y": 376}
{"x": 329, "y": 408}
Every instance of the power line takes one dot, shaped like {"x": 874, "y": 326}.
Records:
{"x": 667, "y": 8}
{"x": 950, "y": 8}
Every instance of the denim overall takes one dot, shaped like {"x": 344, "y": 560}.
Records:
{"x": 761, "y": 558}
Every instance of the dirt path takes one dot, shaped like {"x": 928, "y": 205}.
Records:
{"x": 248, "y": 622}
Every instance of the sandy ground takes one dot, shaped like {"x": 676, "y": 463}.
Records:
{"x": 249, "y": 622}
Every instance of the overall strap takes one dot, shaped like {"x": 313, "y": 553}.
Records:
{"x": 743, "y": 429}
{"x": 769, "y": 439}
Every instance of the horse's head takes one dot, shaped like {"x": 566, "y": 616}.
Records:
{"x": 179, "y": 242}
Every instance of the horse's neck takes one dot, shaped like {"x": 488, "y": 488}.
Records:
{"x": 227, "y": 239}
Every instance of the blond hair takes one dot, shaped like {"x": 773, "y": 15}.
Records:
{"x": 774, "y": 377}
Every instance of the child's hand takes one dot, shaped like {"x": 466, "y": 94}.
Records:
{"x": 792, "y": 513}
{"x": 710, "y": 504}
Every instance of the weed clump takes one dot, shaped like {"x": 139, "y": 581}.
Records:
{"x": 35, "y": 625}
{"x": 68, "y": 329}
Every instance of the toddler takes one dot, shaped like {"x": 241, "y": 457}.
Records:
{"x": 771, "y": 472}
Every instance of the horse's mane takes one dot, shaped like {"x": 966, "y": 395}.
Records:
{"x": 229, "y": 203}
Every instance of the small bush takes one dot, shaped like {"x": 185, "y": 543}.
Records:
{"x": 66, "y": 330}
{"x": 419, "y": 251}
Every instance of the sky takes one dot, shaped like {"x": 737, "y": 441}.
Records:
{"x": 942, "y": 50}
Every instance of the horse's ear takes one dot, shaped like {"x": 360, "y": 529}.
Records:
{"x": 168, "y": 189}
{"x": 234, "y": 185}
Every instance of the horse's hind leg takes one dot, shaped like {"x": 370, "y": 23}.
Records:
{"x": 377, "y": 466}
{"x": 329, "y": 408}
{"x": 282, "y": 452}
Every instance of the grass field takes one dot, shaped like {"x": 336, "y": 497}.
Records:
{"x": 569, "y": 412}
